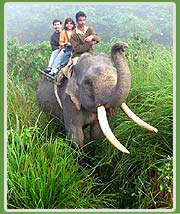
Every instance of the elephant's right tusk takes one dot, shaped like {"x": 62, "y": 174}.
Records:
{"x": 107, "y": 130}
{"x": 136, "y": 119}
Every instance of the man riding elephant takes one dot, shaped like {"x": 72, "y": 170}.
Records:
{"x": 83, "y": 38}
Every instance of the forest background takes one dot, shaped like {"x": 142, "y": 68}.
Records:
{"x": 32, "y": 23}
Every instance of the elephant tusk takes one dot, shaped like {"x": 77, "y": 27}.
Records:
{"x": 136, "y": 119}
{"x": 57, "y": 96}
{"x": 107, "y": 130}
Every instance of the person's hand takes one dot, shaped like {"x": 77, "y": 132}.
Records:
{"x": 89, "y": 38}
{"x": 92, "y": 42}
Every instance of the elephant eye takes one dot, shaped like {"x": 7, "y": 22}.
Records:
{"x": 87, "y": 82}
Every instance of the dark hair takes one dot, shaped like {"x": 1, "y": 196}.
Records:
{"x": 79, "y": 14}
{"x": 69, "y": 20}
{"x": 56, "y": 20}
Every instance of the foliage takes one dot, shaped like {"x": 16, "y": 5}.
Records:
{"x": 45, "y": 172}
{"x": 25, "y": 61}
{"x": 154, "y": 22}
{"x": 143, "y": 178}
{"x": 39, "y": 160}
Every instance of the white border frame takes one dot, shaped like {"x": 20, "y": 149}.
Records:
{"x": 174, "y": 112}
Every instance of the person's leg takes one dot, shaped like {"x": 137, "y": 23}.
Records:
{"x": 65, "y": 58}
{"x": 54, "y": 55}
{"x": 56, "y": 63}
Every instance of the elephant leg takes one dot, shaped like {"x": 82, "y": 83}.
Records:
{"x": 96, "y": 132}
{"x": 75, "y": 133}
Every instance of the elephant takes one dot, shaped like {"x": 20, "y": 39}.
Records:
{"x": 98, "y": 84}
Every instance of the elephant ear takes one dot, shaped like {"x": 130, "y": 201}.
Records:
{"x": 72, "y": 90}
{"x": 74, "y": 83}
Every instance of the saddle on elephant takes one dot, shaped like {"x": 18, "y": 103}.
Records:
{"x": 65, "y": 71}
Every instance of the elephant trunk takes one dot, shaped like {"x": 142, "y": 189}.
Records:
{"x": 123, "y": 74}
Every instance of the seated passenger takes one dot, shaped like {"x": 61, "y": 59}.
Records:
{"x": 66, "y": 48}
{"x": 83, "y": 38}
{"x": 54, "y": 41}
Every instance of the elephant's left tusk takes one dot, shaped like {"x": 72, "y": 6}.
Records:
{"x": 136, "y": 119}
{"x": 57, "y": 96}
{"x": 107, "y": 130}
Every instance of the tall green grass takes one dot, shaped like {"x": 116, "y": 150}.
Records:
{"x": 144, "y": 178}
{"x": 43, "y": 169}
{"x": 45, "y": 172}
{"x": 47, "y": 175}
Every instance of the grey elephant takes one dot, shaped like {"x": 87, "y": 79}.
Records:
{"x": 96, "y": 87}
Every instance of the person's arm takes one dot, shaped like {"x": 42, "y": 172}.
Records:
{"x": 54, "y": 43}
{"x": 79, "y": 48}
{"x": 92, "y": 36}
{"x": 96, "y": 37}
{"x": 62, "y": 39}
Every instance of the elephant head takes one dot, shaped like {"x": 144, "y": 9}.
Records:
{"x": 97, "y": 86}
